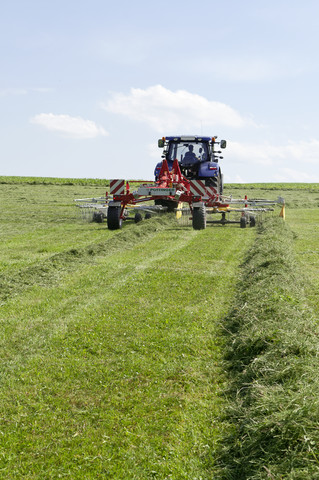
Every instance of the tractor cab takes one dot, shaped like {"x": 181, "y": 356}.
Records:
{"x": 196, "y": 156}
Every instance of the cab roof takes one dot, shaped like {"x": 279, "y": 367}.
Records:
{"x": 188, "y": 138}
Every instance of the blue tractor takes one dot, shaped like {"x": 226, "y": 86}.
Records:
{"x": 197, "y": 158}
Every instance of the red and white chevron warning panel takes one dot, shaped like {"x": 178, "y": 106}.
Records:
{"x": 198, "y": 188}
{"x": 117, "y": 187}
{"x": 212, "y": 192}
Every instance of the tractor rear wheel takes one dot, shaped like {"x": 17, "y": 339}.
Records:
{"x": 114, "y": 222}
{"x": 215, "y": 182}
{"x": 199, "y": 218}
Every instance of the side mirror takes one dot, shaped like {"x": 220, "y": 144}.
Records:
{"x": 222, "y": 144}
{"x": 161, "y": 143}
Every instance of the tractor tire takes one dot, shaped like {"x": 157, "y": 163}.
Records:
{"x": 216, "y": 183}
{"x": 199, "y": 218}
{"x": 243, "y": 222}
{"x": 138, "y": 217}
{"x": 114, "y": 222}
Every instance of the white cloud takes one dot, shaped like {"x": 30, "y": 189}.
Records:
{"x": 261, "y": 154}
{"x": 307, "y": 152}
{"x": 72, "y": 127}
{"x": 265, "y": 154}
{"x": 293, "y": 162}
{"x": 169, "y": 112}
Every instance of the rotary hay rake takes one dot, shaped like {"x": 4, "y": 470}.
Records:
{"x": 190, "y": 199}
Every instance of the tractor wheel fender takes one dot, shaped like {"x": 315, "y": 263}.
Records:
{"x": 206, "y": 170}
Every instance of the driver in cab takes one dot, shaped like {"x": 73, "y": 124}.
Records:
{"x": 190, "y": 157}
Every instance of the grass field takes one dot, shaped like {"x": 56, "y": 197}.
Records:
{"x": 124, "y": 354}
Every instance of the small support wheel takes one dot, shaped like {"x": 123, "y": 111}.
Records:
{"x": 114, "y": 222}
{"x": 98, "y": 217}
{"x": 199, "y": 218}
{"x": 243, "y": 222}
{"x": 252, "y": 221}
{"x": 138, "y": 217}
{"x": 148, "y": 215}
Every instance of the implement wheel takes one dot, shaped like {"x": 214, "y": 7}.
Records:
{"x": 243, "y": 222}
{"x": 138, "y": 217}
{"x": 199, "y": 218}
{"x": 114, "y": 222}
{"x": 252, "y": 221}
{"x": 98, "y": 217}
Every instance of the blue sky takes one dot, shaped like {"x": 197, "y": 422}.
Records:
{"x": 88, "y": 86}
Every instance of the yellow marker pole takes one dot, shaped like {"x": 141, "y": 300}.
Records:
{"x": 179, "y": 212}
{"x": 282, "y": 212}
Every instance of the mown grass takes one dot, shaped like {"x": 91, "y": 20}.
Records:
{"x": 286, "y": 186}
{"x": 12, "y": 180}
{"x": 110, "y": 365}
{"x": 296, "y": 195}
{"x": 305, "y": 226}
{"x": 38, "y": 221}
{"x": 271, "y": 354}
{"x": 115, "y": 362}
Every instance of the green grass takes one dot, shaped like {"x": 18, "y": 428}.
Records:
{"x": 296, "y": 195}
{"x": 38, "y": 221}
{"x": 309, "y": 187}
{"x": 110, "y": 365}
{"x": 7, "y": 180}
{"x": 271, "y": 354}
{"x": 305, "y": 227}
{"x": 156, "y": 351}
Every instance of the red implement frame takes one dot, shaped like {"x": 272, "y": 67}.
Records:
{"x": 171, "y": 185}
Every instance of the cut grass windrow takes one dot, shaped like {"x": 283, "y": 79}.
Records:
{"x": 50, "y": 271}
{"x": 271, "y": 354}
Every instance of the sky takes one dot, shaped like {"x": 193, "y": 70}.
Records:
{"x": 88, "y": 86}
